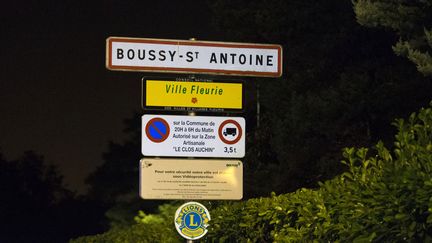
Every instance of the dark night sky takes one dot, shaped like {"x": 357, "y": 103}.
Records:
{"x": 57, "y": 97}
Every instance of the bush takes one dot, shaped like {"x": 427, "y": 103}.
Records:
{"x": 382, "y": 197}
{"x": 148, "y": 228}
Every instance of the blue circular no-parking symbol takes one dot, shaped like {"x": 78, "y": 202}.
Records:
{"x": 157, "y": 130}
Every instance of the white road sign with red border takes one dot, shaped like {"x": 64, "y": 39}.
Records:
{"x": 203, "y": 57}
{"x": 193, "y": 136}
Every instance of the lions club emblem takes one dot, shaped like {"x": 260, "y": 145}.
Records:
{"x": 191, "y": 220}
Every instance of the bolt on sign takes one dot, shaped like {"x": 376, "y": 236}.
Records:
{"x": 199, "y": 57}
{"x": 203, "y": 179}
{"x": 193, "y": 136}
{"x": 192, "y": 96}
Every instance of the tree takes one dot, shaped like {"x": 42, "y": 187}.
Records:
{"x": 384, "y": 196}
{"x": 115, "y": 183}
{"x": 30, "y": 190}
{"x": 412, "y": 21}
{"x": 35, "y": 206}
{"x": 341, "y": 87}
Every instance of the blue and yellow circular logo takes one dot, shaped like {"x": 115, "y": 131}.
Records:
{"x": 191, "y": 220}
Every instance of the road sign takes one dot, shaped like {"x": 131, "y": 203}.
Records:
{"x": 157, "y": 130}
{"x": 230, "y": 131}
{"x": 192, "y": 96}
{"x": 191, "y": 220}
{"x": 204, "y": 179}
{"x": 193, "y": 136}
{"x": 204, "y": 57}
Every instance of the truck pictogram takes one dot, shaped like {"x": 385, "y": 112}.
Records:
{"x": 230, "y": 131}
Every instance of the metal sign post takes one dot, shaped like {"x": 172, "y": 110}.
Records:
{"x": 190, "y": 136}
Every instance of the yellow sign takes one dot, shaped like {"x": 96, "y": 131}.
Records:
{"x": 161, "y": 93}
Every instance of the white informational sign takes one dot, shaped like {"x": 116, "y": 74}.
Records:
{"x": 182, "y": 56}
{"x": 193, "y": 136}
{"x": 204, "y": 179}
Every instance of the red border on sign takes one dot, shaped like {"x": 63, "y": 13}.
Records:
{"x": 240, "y": 132}
{"x": 109, "y": 65}
{"x": 164, "y": 136}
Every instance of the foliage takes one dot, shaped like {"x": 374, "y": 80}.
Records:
{"x": 411, "y": 19}
{"x": 35, "y": 206}
{"x": 115, "y": 184}
{"x": 149, "y": 228}
{"x": 341, "y": 87}
{"x": 382, "y": 197}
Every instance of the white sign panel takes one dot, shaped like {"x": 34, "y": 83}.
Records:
{"x": 205, "y": 179}
{"x": 193, "y": 136}
{"x": 181, "y": 56}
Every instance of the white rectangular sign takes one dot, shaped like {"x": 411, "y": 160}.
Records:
{"x": 191, "y": 179}
{"x": 181, "y": 56}
{"x": 193, "y": 136}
